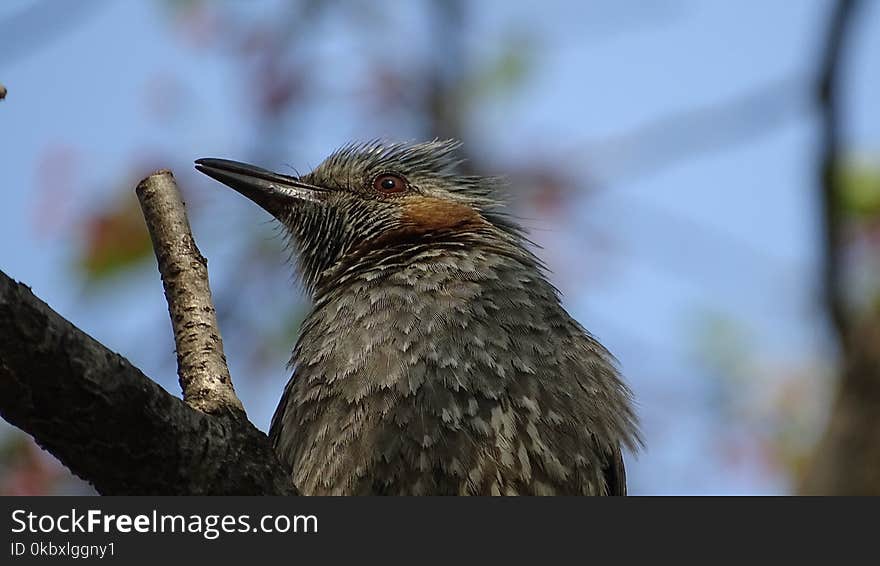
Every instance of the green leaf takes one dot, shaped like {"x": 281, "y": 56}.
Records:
{"x": 859, "y": 182}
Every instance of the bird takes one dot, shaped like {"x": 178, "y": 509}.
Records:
{"x": 437, "y": 358}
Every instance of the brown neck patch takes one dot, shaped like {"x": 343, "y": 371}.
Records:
{"x": 428, "y": 214}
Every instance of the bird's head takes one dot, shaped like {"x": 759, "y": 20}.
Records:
{"x": 368, "y": 197}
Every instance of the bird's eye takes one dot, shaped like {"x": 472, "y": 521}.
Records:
{"x": 389, "y": 183}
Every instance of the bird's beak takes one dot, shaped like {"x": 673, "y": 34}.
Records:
{"x": 274, "y": 192}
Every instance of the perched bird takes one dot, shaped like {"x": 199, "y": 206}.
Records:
{"x": 437, "y": 358}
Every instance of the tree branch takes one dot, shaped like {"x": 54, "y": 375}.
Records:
{"x": 201, "y": 365}
{"x": 681, "y": 135}
{"x": 110, "y": 424}
{"x": 827, "y": 100}
{"x": 846, "y": 460}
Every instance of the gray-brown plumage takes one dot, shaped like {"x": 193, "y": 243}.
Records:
{"x": 437, "y": 358}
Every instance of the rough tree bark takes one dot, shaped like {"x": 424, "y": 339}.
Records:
{"x": 108, "y": 422}
{"x": 201, "y": 364}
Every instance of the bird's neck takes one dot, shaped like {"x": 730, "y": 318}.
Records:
{"x": 406, "y": 262}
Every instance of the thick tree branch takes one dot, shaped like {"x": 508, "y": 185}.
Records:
{"x": 110, "y": 424}
{"x": 847, "y": 459}
{"x": 201, "y": 365}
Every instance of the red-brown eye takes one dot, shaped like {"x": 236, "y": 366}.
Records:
{"x": 389, "y": 183}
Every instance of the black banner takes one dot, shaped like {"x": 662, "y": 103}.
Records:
{"x": 236, "y": 530}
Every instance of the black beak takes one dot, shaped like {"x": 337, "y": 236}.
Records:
{"x": 274, "y": 192}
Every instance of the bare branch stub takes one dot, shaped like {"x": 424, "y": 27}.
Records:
{"x": 201, "y": 364}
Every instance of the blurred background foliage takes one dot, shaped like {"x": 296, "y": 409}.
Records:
{"x": 665, "y": 155}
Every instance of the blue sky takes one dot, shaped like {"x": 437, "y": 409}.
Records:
{"x": 730, "y": 232}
